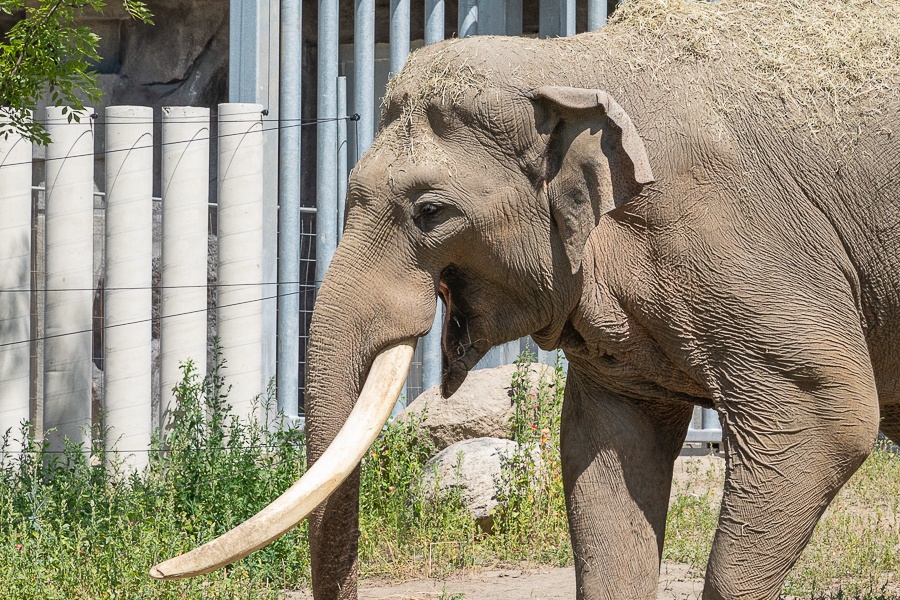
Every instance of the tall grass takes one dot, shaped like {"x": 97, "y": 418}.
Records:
{"x": 72, "y": 528}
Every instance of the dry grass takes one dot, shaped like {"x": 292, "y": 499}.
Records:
{"x": 855, "y": 547}
{"x": 798, "y": 50}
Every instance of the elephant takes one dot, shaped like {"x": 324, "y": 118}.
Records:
{"x": 693, "y": 224}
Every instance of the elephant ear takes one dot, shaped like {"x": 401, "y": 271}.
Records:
{"x": 594, "y": 160}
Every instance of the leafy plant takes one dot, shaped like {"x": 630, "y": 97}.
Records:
{"x": 48, "y": 52}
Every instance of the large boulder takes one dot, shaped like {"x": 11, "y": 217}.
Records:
{"x": 473, "y": 468}
{"x": 481, "y": 407}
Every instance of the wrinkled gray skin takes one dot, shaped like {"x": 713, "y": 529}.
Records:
{"x": 758, "y": 275}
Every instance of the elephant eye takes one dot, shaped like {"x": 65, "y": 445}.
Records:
{"x": 430, "y": 209}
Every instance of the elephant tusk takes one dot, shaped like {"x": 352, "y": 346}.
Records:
{"x": 372, "y": 409}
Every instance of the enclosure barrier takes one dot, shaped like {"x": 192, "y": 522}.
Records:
{"x": 15, "y": 280}
{"x": 185, "y": 194}
{"x": 127, "y": 289}
{"x": 65, "y": 400}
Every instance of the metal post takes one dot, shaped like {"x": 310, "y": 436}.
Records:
{"x": 567, "y": 18}
{"x": 557, "y": 18}
{"x": 596, "y": 14}
{"x": 364, "y": 74}
{"x": 434, "y": 21}
{"x": 326, "y": 138}
{"x": 253, "y": 77}
{"x": 431, "y": 352}
{"x": 183, "y": 264}
{"x": 513, "y": 18}
{"x": 15, "y": 281}
{"x": 399, "y": 34}
{"x": 127, "y": 295}
{"x": 288, "y": 379}
{"x": 240, "y": 220}
{"x": 70, "y": 279}
{"x": 467, "y": 19}
{"x": 431, "y": 343}
{"x": 342, "y": 156}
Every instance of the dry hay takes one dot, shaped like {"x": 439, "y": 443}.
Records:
{"x": 801, "y": 50}
{"x": 836, "y": 64}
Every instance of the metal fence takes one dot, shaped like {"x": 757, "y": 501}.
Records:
{"x": 71, "y": 321}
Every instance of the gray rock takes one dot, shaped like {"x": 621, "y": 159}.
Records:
{"x": 481, "y": 407}
{"x": 473, "y": 468}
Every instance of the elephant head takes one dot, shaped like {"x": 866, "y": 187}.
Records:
{"x": 480, "y": 189}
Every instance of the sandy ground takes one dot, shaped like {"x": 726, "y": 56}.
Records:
{"x": 676, "y": 582}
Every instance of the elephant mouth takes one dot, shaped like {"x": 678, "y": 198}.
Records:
{"x": 462, "y": 346}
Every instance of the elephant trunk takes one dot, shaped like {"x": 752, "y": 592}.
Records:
{"x": 371, "y": 308}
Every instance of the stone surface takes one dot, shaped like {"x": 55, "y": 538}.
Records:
{"x": 481, "y": 407}
{"x": 474, "y": 469}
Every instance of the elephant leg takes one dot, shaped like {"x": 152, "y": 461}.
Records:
{"x": 617, "y": 459}
{"x": 800, "y": 415}
{"x": 890, "y": 420}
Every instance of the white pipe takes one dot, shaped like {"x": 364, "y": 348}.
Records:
{"x": 240, "y": 225}
{"x": 185, "y": 219}
{"x": 15, "y": 281}
{"x": 69, "y": 278}
{"x": 127, "y": 294}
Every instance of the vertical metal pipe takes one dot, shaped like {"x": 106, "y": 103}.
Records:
{"x": 326, "y": 138}
{"x": 240, "y": 226}
{"x": 69, "y": 280}
{"x": 342, "y": 156}
{"x": 513, "y": 18}
{"x": 399, "y": 34}
{"x": 567, "y": 18}
{"x": 431, "y": 354}
{"x": 364, "y": 74}
{"x": 596, "y": 14}
{"x": 287, "y": 385}
{"x": 434, "y": 21}
{"x": 557, "y": 18}
{"x": 467, "y": 18}
{"x": 492, "y": 17}
{"x": 15, "y": 281}
{"x": 183, "y": 264}
{"x": 127, "y": 294}
{"x": 431, "y": 346}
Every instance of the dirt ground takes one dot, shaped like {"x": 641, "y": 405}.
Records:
{"x": 676, "y": 581}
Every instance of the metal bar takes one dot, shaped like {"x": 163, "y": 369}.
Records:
{"x": 127, "y": 295}
{"x": 399, "y": 34}
{"x": 431, "y": 343}
{"x": 326, "y": 138}
{"x": 492, "y": 17}
{"x": 596, "y": 14}
{"x": 287, "y": 384}
{"x": 557, "y": 18}
{"x": 467, "y": 18}
{"x": 342, "y": 156}
{"x": 434, "y": 21}
{"x": 567, "y": 18}
{"x": 364, "y": 74}
{"x": 513, "y": 18}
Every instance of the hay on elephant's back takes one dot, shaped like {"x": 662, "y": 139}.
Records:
{"x": 800, "y": 50}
